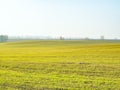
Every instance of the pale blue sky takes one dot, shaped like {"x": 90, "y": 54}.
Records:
{"x": 68, "y": 18}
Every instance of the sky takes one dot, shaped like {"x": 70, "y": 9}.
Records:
{"x": 67, "y": 18}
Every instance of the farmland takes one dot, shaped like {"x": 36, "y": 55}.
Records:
{"x": 60, "y": 65}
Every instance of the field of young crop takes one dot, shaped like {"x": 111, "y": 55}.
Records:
{"x": 60, "y": 65}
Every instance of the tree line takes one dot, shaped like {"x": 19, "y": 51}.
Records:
{"x": 3, "y": 38}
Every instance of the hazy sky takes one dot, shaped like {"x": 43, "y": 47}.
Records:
{"x": 68, "y": 18}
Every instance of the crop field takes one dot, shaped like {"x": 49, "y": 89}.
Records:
{"x": 60, "y": 65}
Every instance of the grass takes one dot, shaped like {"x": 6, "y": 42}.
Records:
{"x": 60, "y": 65}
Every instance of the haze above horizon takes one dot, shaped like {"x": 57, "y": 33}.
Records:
{"x": 67, "y": 18}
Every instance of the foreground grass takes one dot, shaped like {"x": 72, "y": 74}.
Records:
{"x": 60, "y": 65}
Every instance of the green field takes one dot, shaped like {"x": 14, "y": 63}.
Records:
{"x": 60, "y": 65}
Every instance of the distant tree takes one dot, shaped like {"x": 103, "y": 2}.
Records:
{"x": 86, "y": 38}
{"x": 102, "y": 37}
{"x": 3, "y": 38}
{"x": 115, "y": 38}
{"x": 61, "y": 38}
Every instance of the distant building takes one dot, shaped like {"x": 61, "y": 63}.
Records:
{"x": 3, "y": 38}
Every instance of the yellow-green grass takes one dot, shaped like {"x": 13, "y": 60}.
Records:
{"x": 60, "y": 65}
